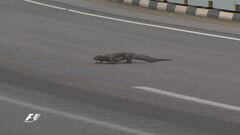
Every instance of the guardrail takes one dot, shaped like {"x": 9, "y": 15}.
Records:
{"x": 228, "y": 5}
{"x": 162, "y": 5}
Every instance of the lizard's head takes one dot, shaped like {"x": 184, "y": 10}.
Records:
{"x": 98, "y": 57}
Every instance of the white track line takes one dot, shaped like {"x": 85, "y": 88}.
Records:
{"x": 46, "y": 5}
{"x": 74, "y": 116}
{"x": 188, "y": 98}
{"x": 134, "y": 22}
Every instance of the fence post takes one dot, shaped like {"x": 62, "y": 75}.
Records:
{"x": 163, "y": 0}
{"x": 210, "y": 4}
{"x": 237, "y": 8}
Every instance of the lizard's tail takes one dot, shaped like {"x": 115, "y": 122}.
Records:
{"x": 147, "y": 58}
{"x": 156, "y": 60}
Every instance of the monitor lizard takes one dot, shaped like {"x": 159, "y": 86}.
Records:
{"x": 118, "y": 57}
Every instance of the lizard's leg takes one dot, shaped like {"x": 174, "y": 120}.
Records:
{"x": 116, "y": 60}
{"x": 129, "y": 59}
{"x": 111, "y": 60}
{"x": 99, "y": 62}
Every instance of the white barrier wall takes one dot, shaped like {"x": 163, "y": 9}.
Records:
{"x": 219, "y": 4}
{"x": 184, "y": 9}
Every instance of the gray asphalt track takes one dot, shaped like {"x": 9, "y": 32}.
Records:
{"x": 46, "y": 67}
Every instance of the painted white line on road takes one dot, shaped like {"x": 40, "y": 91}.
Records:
{"x": 46, "y": 5}
{"x": 188, "y": 98}
{"x": 74, "y": 116}
{"x": 134, "y": 22}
